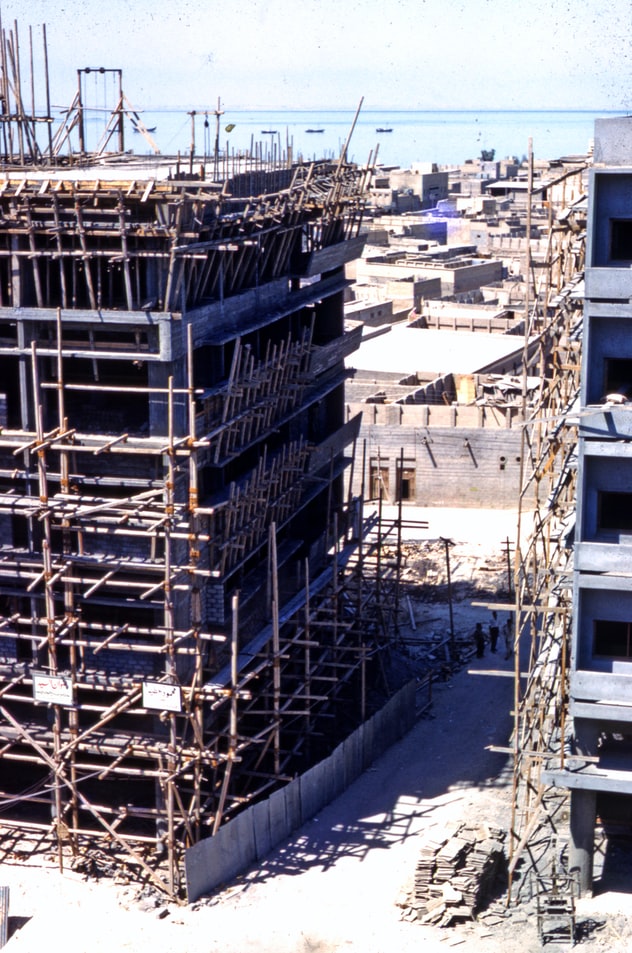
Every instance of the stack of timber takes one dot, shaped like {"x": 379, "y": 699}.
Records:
{"x": 456, "y": 874}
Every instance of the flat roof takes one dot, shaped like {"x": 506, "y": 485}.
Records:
{"x": 402, "y": 349}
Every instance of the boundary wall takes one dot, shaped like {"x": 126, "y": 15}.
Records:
{"x": 251, "y": 835}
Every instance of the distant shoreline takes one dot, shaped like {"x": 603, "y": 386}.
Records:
{"x": 444, "y": 137}
{"x": 373, "y": 110}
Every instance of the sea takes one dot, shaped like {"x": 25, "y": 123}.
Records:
{"x": 395, "y": 137}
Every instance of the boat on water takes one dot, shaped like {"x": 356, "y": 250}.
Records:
{"x": 314, "y": 130}
{"x": 147, "y": 129}
{"x": 383, "y": 129}
{"x": 268, "y": 132}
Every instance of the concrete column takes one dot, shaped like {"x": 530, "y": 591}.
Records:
{"x": 582, "y": 830}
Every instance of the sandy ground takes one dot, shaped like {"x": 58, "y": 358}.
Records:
{"x": 335, "y": 885}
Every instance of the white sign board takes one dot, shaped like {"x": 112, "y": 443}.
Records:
{"x": 162, "y": 697}
{"x": 52, "y": 689}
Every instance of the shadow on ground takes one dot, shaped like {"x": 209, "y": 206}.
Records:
{"x": 439, "y": 763}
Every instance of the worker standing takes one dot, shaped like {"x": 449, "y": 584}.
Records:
{"x": 479, "y": 640}
{"x": 494, "y": 632}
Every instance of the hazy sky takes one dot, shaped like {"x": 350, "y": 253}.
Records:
{"x": 504, "y": 54}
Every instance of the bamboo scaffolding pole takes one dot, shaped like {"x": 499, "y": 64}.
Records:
{"x": 49, "y": 580}
{"x": 170, "y": 663}
{"x": 196, "y": 715}
{"x": 14, "y": 57}
{"x": 276, "y": 667}
{"x": 86, "y": 256}
{"x": 104, "y": 627}
{"x": 69, "y": 602}
{"x": 8, "y": 139}
{"x": 81, "y": 832}
{"x": 309, "y": 643}
{"x": 234, "y": 694}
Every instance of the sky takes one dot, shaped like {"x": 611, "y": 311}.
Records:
{"x": 398, "y": 54}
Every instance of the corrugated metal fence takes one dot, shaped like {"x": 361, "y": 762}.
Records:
{"x": 252, "y": 835}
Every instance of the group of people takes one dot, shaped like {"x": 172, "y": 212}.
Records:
{"x": 494, "y": 635}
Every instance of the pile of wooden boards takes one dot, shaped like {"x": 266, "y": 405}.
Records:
{"x": 456, "y": 874}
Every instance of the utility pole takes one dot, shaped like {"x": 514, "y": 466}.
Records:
{"x": 192, "y": 114}
{"x": 218, "y": 112}
{"x": 447, "y": 543}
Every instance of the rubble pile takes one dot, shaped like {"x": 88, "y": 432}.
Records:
{"x": 456, "y": 874}
{"x": 474, "y": 571}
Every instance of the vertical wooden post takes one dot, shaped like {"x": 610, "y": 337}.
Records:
{"x": 348, "y": 526}
{"x": 232, "y": 729}
{"x": 308, "y": 656}
{"x": 170, "y": 663}
{"x": 121, "y": 114}
{"x": 192, "y": 151}
{"x": 14, "y": 50}
{"x": 48, "y": 596}
{"x": 447, "y": 543}
{"x": 276, "y": 660}
{"x": 49, "y": 125}
{"x": 125, "y": 255}
{"x": 80, "y": 121}
{"x": 234, "y": 673}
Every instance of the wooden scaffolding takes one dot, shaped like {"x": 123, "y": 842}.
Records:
{"x": 543, "y": 564}
{"x": 132, "y": 708}
{"x": 189, "y": 613}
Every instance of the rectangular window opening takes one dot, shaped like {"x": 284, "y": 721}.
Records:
{"x": 614, "y": 511}
{"x": 618, "y": 376}
{"x": 24, "y": 650}
{"x": 19, "y": 529}
{"x": 405, "y": 483}
{"x": 612, "y": 639}
{"x": 621, "y": 240}
{"x": 379, "y": 482}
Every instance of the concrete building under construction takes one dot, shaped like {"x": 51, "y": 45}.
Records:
{"x": 184, "y": 622}
{"x": 193, "y": 611}
{"x": 600, "y": 676}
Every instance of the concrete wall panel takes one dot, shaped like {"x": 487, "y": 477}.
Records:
{"x": 337, "y": 773}
{"x": 293, "y": 815}
{"x": 352, "y": 755}
{"x": 261, "y": 829}
{"x": 278, "y": 817}
{"x": 311, "y": 792}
